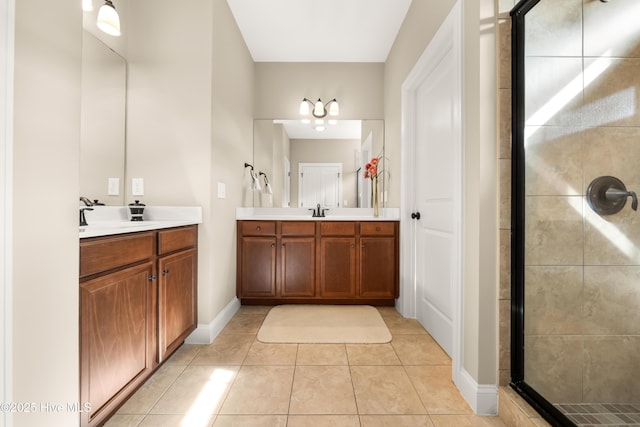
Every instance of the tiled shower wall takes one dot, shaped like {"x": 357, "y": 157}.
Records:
{"x": 582, "y": 324}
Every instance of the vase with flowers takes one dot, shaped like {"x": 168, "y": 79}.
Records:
{"x": 372, "y": 172}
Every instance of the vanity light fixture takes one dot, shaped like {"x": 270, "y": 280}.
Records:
{"x": 108, "y": 19}
{"x": 319, "y": 109}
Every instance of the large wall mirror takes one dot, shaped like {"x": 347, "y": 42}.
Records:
{"x": 103, "y": 104}
{"x": 305, "y": 165}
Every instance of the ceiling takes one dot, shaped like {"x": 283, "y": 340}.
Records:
{"x": 319, "y": 31}
{"x": 343, "y": 129}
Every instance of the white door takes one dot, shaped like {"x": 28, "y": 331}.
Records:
{"x": 436, "y": 192}
{"x": 320, "y": 183}
{"x": 286, "y": 196}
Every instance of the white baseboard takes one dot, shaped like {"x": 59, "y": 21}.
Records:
{"x": 483, "y": 399}
{"x": 206, "y": 333}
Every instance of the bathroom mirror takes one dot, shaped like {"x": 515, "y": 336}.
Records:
{"x": 305, "y": 166}
{"x": 102, "y": 129}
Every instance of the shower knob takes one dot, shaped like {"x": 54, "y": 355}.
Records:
{"x": 607, "y": 195}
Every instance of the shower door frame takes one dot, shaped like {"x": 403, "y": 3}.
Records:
{"x": 518, "y": 383}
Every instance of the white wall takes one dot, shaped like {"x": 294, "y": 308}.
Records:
{"x": 480, "y": 184}
{"x": 44, "y": 195}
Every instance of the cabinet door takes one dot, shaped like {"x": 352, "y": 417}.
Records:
{"x": 378, "y": 267}
{"x": 117, "y": 335}
{"x": 258, "y": 267}
{"x": 298, "y": 260}
{"x": 177, "y": 306}
{"x": 338, "y": 267}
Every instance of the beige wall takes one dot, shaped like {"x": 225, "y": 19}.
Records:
{"x": 46, "y": 145}
{"x": 190, "y": 125}
{"x": 480, "y": 227}
{"x": 280, "y": 87}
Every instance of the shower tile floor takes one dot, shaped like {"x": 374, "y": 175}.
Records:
{"x": 605, "y": 414}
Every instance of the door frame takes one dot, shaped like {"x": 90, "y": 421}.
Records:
{"x": 448, "y": 36}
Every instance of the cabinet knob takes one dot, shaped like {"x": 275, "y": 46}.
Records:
{"x": 353, "y": 245}
{"x": 165, "y": 271}
{"x": 153, "y": 277}
{"x": 273, "y": 245}
{"x": 258, "y": 228}
{"x": 377, "y": 228}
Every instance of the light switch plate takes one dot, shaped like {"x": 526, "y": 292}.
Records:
{"x": 222, "y": 190}
{"x": 137, "y": 186}
{"x": 113, "y": 188}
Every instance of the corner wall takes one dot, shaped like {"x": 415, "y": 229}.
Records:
{"x": 46, "y": 147}
{"x": 480, "y": 197}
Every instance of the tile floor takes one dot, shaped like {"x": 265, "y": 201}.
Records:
{"x": 239, "y": 381}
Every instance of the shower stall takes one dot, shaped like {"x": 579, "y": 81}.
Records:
{"x": 575, "y": 340}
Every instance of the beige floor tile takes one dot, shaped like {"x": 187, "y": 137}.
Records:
{"x": 260, "y": 390}
{"x": 244, "y": 323}
{"x": 322, "y": 390}
{"x": 395, "y": 421}
{"x": 225, "y": 350}
{"x": 143, "y": 400}
{"x": 254, "y": 309}
{"x": 175, "y": 420}
{"x": 199, "y": 390}
{"x": 437, "y": 391}
{"x": 321, "y": 354}
{"x": 124, "y": 420}
{"x": 419, "y": 350}
{"x": 402, "y": 326}
{"x": 389, "y": 313}
{"x": 466, "y": 421}
{"x": 372, "y": 354}
{"x": 385, "y": 390}
{"x": 271, "y": 354}
{"x": 184, "y": 355}
{"x": 323, "y": 421}
{"x": 250, "y": 421}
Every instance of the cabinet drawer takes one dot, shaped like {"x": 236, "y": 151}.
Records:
{"x": 103, "y": 254}
{"x": 177, "y": 238}
{"x": 298, "y": 228}
{"x": 377, "y": 228}
{"x": 258, "y": 228}
{"x": 331, "y": 228}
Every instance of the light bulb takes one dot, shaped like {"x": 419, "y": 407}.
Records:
{"x": 318, "y": 110}
{"x": 304, "y": 107}
{"x": 87, "y": 5}
{"x": 334, "y": 110}
{"x": 108, "y": 19}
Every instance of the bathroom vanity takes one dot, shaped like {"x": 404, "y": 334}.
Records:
{"x": 138, "y": 303}
{"x": 333, "y": 260}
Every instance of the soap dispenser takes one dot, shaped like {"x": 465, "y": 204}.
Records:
{"x": 137, "y": 209}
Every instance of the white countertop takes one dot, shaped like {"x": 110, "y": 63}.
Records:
{"x": 109, "y": 220}
{"x": 302, "y": 214}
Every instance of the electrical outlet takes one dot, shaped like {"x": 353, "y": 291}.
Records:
{"x": 113, "y": 188}
{"x": 137, "y": 186}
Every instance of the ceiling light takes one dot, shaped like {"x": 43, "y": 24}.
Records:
{"x": 319, "y": 109}
{"x": 87, "y": 5}
{"x": 108, "y": 19}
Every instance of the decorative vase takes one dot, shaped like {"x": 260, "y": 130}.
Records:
{"x": 374, "y": 200}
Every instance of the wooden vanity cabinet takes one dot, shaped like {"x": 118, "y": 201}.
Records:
{"x": 117, "y": 320}
{"x": 338, "y": 266}
{"x": 131, "y": 317}
{"x": 379, "y": 260}
{"x": 177, "y": 290}
{"x": 342, "y": 262}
